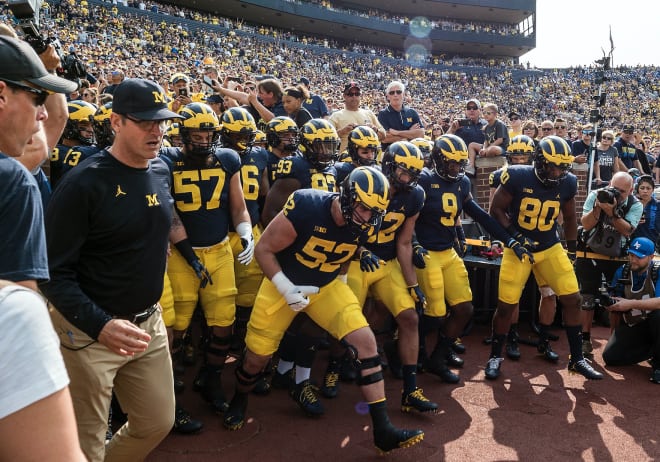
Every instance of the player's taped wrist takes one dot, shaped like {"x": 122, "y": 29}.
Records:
{"x": 282, "y": 283}
{"x": 185, "y": 249}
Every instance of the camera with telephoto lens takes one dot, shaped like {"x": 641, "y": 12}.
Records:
{"x": 608, "y": 195}
{"x": 26, "y": 13}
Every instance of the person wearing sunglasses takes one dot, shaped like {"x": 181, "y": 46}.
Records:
{"x": 561, "y": 129}
{"x": 580, "y": 147}
{"x": 628, "y": 153}
{"x": 401, "y": 122}
{"x": 471, "y": 128}
{"x": 606, "y": 160}
{"x": 515, "y": 124}
{"x": 345, "y": 120}
{"x": 37, "y": 388}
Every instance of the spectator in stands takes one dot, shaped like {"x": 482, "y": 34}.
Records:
{"x": 471, "y": 128}
{"x": 90, "y": 95}
{"x": 516, "y": 124}
{"x": 635, "y": 317}
{"x": 116, "y": 77}
{"x": 580, "y": 147}
{"x": 547, "y": 129}
{"x": 561, "y": 129}
{"x": 496, "y": 142}
{"x": 217, "y": 103}
{"x": 314, "y": 103}
{"x": 530, "y": 129}
{"x": 649, "y": 224}
{"x": 627, "y": 150}
{"x": 606, "y": 160}
{"x": 401, "y": 122}
{"x": 345, "y": 120}
{"x": 292, "y": 100}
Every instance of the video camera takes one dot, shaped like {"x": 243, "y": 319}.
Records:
{"x": 26, "y": 13}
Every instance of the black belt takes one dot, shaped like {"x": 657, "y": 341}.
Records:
{"x": 138, "y": 318}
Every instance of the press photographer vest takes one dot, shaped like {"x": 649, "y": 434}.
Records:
{"x": 636, "y": 316}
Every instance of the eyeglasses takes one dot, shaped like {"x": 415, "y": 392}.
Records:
{"x": 395, "y": 92}
{"x": 251, "y": 88}
{"x": 628, "y": 132}
{"x": 357, "y": 93}
{"x": 588, "y": 132}
{"x": 514, "y": 118}
{"x": 148, "y": 125}
{"x": 488, "y": 112}
{"x": 560, "y": 127}
{"x": 472, "y": 108}
{"x": 608, "y": 138}
{"x": 41, "y": 95}
{"x": 546, "y": 129}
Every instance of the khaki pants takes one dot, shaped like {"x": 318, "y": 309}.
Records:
{"x": 143, "y": 385}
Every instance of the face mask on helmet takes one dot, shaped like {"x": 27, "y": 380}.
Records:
{"x": 552, "y": 161}
{"x": 364, "y": 199}
{"x": 199, "y": 130}
{"x": 79, "y": 126}
{"x": 103, "y": 132}
{"x": 238, "y": 130}
{"x": 282, "y": 133}
{"x": 363, "y": 146}
{"x": 520, "y": 150}
{"x": 449, "y": 158}
{"x": 402, "y": 164}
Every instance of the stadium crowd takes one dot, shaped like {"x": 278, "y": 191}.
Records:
{"x": 219, "y": 87}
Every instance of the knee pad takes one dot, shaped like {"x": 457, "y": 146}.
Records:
{"x": 368, "y": 363}
{"x": 588, "y": 302}
{"x": 222, "y": 344}
{"x": 245, "y": 379}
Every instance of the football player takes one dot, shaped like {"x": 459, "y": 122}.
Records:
{"x": 521, "y": 152}
{"x": 384, "y": 268}
{"x": 78, "y": 131}
{"x": 425, "y": 147}
{"x": 208, "y": 197}
{"x": 527, "y": 203}
{"x": 444, "y": 279}
{"x": 103, "y": 134}
{"x": 319, "y": 144}
{"x": 173, "y": 135}
{"x": 238, "y": 133}
{"x": 282, "y": 138}
{"x": 362, "y": 149}
{"x": 311, "y": 252}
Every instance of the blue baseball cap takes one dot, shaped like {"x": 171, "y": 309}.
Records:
{"x": 642, "y": 247}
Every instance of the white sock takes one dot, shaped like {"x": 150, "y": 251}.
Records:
{"x": 302, "y": 374}
{"x": 284, "y": 366}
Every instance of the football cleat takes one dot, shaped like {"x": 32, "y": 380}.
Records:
{"x": 492, "y": 370}
{"x": 583, "y": 368}
{"x": 305, "y": 395}
{"x": 390, "y": 438}
{"x": 416, "y": 401}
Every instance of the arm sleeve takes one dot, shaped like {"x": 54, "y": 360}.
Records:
{"x": 67, "y": 229}
{"x": 492, "y": 226}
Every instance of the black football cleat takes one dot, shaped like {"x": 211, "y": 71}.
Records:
{"x": 234, "y": 417}
{"x": 492, "y": 370}
{"x": 184, "y": 424}
{"x": 305, "y": 396}
{"x": 583, "y": 368}
{"x": 416, "y": 401}
{"x": 545, "y": 350}
{"x": 390, "y": 438}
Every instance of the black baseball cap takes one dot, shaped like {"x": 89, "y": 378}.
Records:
{"x": 211, "y": 99}
{"x": 628, "y": 127}
{"x": 142, "y": 99}
{"x": 21, "y": 63}
{"x": 304, "y": 81}
{"x": 514, "y": 113}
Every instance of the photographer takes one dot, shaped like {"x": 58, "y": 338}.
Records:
{"x": 635, "y": 315}
{"x": 609, "y": 217}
